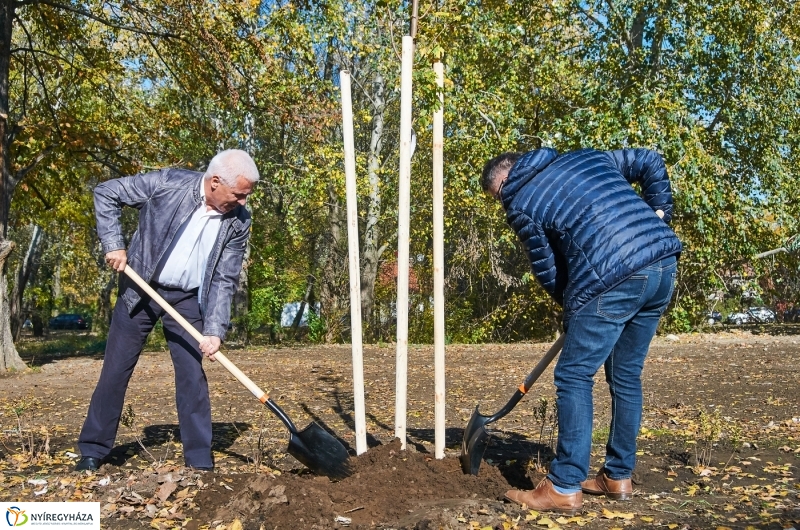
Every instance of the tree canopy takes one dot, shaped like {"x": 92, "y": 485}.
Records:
{"x": 96, "y": 90}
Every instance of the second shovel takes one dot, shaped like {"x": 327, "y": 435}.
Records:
{"x": 476, "y": 437}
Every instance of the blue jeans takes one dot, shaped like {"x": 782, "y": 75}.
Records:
{"x": 614, "y": 330}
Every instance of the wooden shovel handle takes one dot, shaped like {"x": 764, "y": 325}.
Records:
{"x": 542, "y": 365}
{"x": 224, "y": 361}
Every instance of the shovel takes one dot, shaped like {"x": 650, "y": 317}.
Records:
{"x": 316, "y": 448}
{"x": 476, "y": 437}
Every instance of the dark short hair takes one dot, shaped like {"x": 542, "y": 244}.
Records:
{"x": 497, "y": 164}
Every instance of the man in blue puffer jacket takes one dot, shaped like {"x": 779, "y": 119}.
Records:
{"x": 607, "y": 255}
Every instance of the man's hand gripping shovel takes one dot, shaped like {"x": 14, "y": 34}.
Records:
{"x": 313, "y": 446}
{"x": 476, "y": 437}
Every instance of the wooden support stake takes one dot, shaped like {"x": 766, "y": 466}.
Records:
{"x": 438, "y": 264}
{"x": 355, "y": 268}
{"x": 404, "y": 214}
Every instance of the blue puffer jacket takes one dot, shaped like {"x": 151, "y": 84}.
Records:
{"x": 585, "y": 227}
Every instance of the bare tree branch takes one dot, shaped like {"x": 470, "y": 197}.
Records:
{"x": 100, "y": 19}
{"x": 490, "y": 122}
{"x": 43, "y": 52}
{"x": 40, "y": 78}
{"x": 45, "y": 203}
{"x": 20, "y": 173}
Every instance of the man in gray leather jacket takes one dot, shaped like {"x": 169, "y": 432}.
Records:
{"x": 190, "y": 243}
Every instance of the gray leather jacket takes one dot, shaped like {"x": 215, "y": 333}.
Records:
{"x": 165, "y": 199}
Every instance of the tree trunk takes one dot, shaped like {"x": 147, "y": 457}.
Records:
{"x": 241, "y": 302}
{"x": 104, "y": 310}
{"x": 26, "y": 267}
{"x": 10, "y": 359}
{"x": 299, "y": 316}
{"x": 56, "y": 285}
{"x": 38, "y": 325}
{"x": 371, "y": 253}
{"x": 331, "y": 267}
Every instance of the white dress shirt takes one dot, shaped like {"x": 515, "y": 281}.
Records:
{"x": 184, "y": 264}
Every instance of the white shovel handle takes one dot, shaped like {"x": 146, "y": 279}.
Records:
{"x": 224, "y": 361}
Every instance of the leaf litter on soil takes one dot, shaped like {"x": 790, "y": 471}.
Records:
{"x": 720, "y": 444}
{"x": 388, "y": 484}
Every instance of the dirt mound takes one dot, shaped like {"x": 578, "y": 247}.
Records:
{"x": 402, "y": 488}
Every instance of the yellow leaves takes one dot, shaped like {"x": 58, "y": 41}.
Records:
{"x": 704, "y": 471}
{"x": 533, "y": 514}
{"x": 646, "y": 519}
{"x": 608, "y": 514}
{"x": 236, "y": 524}
{"x": 580, "y": 521}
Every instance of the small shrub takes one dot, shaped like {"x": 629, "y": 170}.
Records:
{"x": 33, "y": 441}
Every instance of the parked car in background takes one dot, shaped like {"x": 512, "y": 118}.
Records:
{"x": 739, "y": 318}
{"x": 68, "y": 321}
{"x": 753, "y": 315}
{"x": 713, "y": 317}
{"x": 763, "y": 315}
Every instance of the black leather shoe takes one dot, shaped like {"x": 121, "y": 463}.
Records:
{"x": 87, "y": 463}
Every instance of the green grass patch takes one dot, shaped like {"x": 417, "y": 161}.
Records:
{"x": 36, "y": 350}
{"x": 600, "y": 436}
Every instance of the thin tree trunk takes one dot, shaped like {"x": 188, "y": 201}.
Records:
{"x": 299, "y": 316}
{"x": 56, "y": 285}
{"x": 371, "y": 254}
{"x": 24, "y": 271}
{"x": 241, "y": 302}
{"x": 103, "y": 320}
{"x": 331, "y": 266}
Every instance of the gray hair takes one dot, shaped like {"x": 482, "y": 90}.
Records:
{"x": 495, "y": 166}
{"x": 231, "y": 164}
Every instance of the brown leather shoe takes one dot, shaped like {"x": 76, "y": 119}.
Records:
{"x": 546, "y": 499}
{"x": 620, "y": 490}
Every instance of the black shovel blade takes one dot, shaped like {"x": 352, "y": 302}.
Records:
{"x": 318, "y": 450}
{"x": 474, "y": 443}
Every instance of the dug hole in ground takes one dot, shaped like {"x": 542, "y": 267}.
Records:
{"x": 719, "y": 447}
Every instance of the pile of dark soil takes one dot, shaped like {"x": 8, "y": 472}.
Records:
{"x": 388, "y": 485}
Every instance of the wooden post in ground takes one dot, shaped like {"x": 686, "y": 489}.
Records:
{"x": 438, "y": 265}
{"x": 355, "y": 268}
{"x": 404, "y": 214}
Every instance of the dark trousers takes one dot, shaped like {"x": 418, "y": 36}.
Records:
{"x": 126, "y": 339}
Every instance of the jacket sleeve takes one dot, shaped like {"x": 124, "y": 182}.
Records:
{"x": 224, "y": 284}
{"x": 543, "y": 261}
{"x": 112, "y": 195}
{"x": 647, "y": 168}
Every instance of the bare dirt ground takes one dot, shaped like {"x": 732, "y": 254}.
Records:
{"x": 720, "y": 444}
